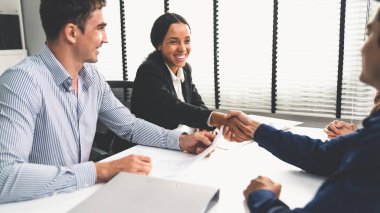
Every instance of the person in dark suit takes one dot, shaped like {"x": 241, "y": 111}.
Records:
{"x": 163, "y": 91}
{"x": 351, "y": 162}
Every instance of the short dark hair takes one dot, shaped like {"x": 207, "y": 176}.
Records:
{"x": 55, "y": 14}
{"x": 161, "y": 27}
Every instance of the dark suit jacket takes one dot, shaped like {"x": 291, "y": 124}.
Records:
{"x": 155, "y": 100}
{"x": 352, "y": 163}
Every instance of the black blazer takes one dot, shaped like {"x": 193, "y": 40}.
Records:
{"x": 154, "y": 98}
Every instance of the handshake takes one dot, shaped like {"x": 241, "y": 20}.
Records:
{"x": 238, "y": 126}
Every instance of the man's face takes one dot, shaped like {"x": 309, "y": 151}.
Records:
{"x": 94, "y": 35}
{"x": 371, "y": 55}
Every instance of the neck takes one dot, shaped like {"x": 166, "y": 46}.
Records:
{"x": 67, "y": 58}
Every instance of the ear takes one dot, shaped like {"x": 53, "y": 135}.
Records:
{"x": 70, "y": 32}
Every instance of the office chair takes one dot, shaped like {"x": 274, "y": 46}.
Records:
{"x": 106, "y": 142}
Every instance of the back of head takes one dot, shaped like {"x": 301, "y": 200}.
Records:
{"x": 55, "y": 14}
{"x": 376, "y": 102}
{"x": 161, "y": 27}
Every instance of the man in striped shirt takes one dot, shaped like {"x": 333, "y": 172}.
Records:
{"x": 49, "y": 105}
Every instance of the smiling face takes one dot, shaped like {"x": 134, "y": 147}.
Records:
{"x": 94, "y": 35}
{"x": 175, "y": 47}
{"x": 371, "y": 54}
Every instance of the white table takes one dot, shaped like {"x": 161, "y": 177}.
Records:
{"x": 230, "y": 170}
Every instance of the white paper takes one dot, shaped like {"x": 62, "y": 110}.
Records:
{"x": 277, "y": 123}
{"x": 169, "y": 167}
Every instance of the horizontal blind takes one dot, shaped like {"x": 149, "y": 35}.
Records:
{"x": 307, "y": 57}
{"x": 139, "y": 18}
{"x": 245, "y": 54}
{"x": 110, "y": 60}
{"x": 199, "y": 15}
{"x": 357, "y": 98}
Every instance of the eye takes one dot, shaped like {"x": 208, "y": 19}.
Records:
{"x": 173, "y": 41}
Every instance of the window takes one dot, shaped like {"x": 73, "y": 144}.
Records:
{"x": 307, "y": 68}
{"x": 357, "y": 98}
{"x": 307, "y": 57}
{"x": 110, "y": 61}
{"x": 137, "y": 31}
{"x": 201, "y": 57}
{"x": 245, "y": 48}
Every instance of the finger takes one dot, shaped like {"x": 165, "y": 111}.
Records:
{"x": 203, "y": 139}
{"x": 333, "y": 128}
{"x": 199, "y": 149}
{"x": 341, "y": 124}
{"x": 353, "y": 126}
{"x": 237, "y": 138}
{"x": 235, "y": 127}
{"x": 144, "y": 158}
{"x": 144, "y": 169}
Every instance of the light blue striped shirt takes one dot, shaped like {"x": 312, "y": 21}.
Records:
{"x": 46, "y": 131}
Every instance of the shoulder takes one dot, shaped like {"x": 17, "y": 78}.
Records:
{"x": 152, "y": 66}
{"x": 31, "y": 70}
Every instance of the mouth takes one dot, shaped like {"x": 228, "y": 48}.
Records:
{"x": 180, "y": 57}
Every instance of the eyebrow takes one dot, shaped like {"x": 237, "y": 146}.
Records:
{"x": 102, "y": 24}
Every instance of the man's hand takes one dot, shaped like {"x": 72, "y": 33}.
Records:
{"x": 262, "y": 182}
{"x": 337, "y": 128}
{"x": 133, "y": 163}
{"x": 239, "y": 127}
{"x": 196, "y": 142}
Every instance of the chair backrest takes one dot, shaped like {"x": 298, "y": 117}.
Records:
{"x": 123, "y": 91}
{"x": 106, "y": 142}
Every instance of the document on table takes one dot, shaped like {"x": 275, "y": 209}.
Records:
{"x": 277, "y": 123}
{"x": 134, "y": 193}
{"x": 162, "y": 167}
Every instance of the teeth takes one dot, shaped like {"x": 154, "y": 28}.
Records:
{"x": 180, "y": 56}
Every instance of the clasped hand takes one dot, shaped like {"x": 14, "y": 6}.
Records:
{"x": 239, "y": 127}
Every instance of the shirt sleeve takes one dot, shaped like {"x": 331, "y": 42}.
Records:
{"x": 20, "y": 102}
{"x": 120, "y": 120}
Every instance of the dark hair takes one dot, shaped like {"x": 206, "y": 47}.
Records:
{"x": 161, "y": 27}
{"x": 55, "y": 14}
{"x": 376, "y": 103}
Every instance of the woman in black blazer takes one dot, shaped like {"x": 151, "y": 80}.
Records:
{"x": 165, "y": 73}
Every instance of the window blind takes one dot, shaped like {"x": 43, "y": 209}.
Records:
{"x": 139, "y": 18}
{"x": 357, "y": 98}
{"x": 245, "y": 54}
{"x": 110, "y": 60}
{"x": 308, "y": 44}
{"x": 199, "y": 15}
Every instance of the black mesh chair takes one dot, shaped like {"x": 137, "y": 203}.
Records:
{"x": 107, "y": 143}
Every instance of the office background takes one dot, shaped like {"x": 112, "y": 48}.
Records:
{"x": 289, "y": 58}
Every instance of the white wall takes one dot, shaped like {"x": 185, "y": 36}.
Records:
{"x": 34, "y": 34}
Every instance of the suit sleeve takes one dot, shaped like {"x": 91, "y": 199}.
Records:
{"x": 311, "y": 155}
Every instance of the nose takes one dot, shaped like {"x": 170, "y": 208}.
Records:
{"x": 182, "y": 47}
{"x": 104, "y": 37}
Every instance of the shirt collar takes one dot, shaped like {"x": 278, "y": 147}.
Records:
{"x": 179, "y": 75}
{"x": 59, "y": 73}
